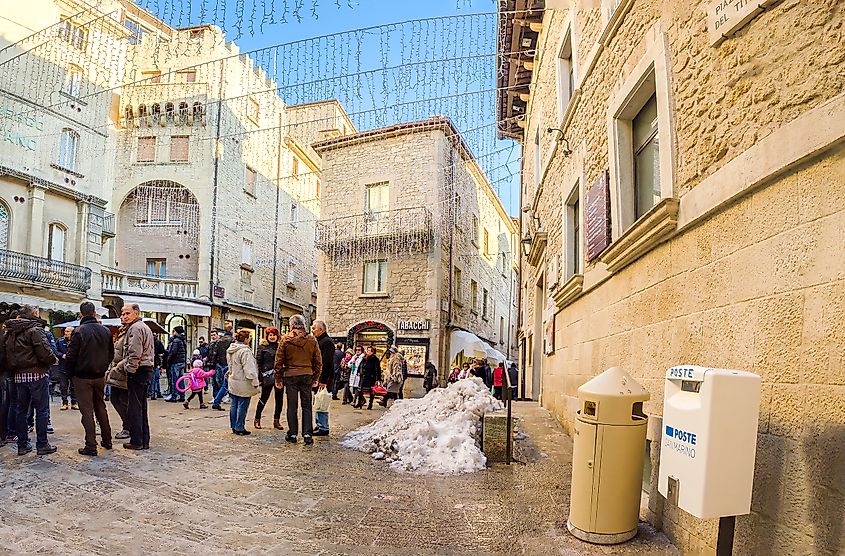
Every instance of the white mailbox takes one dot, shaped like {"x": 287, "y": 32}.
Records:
{"x": 709, "y": 440}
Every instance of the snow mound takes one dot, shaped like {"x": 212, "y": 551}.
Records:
{"x": 435, "y": 434}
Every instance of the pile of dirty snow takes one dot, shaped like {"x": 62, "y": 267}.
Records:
{"x": 435, "y": 434}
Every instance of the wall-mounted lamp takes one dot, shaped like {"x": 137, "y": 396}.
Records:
{"x": 561, "y": 139}
{"x": 526, "y": 242}
{"x": 529, "y": 213}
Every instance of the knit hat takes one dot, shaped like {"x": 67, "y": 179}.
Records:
{"x": 197, "y": 364}
{"x": 196, "y": 352}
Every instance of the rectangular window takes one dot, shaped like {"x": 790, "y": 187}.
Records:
{"x": 486, "y": 242}
{"x": 291, "y": 273}
{"x": 249, "y": 182}
{"x": 195, "y": 35}
{"x": 73, "y": 34}
{"x": 179, "y": 148}
{"x": 157, "y": 268}
{"x": 294, "y": 214}
{"x": 318, "y": 187}
{"x": 474, "y": 230}
{"x": 574, "y": 253}
{"x": 246, "y": 252}
{"x": 376, "y": 204}
{"x": 485, "y": 302}
{"x": 473, "y": 295}
{"x": 186, "y": 76}
{"x": 73, "y": 81}
{"x": 458, "y": 286}
{"x": 253, "y": 110}
{"x": 136, "y": 31}
{"x": 67, "y": 149}
{"x": 375, "y": 276}
{"x": 153, "y": 76}
{"x": 501, "y": 330}
{"x": 538, "y": 170}
{"x": 146, "y": 149}
{"x": 646, "y": 158}
{"x": 314, "y": 283}
{"x": 295, "y": 167}
{"x": 565, "y": 74}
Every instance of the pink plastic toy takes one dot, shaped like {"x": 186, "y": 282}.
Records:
{"x": 195, "y": 379}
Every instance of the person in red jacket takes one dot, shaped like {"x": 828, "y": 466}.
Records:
{"x": 498, "y": 380}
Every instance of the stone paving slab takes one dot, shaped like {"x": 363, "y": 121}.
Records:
{"x": 201, "y": 490}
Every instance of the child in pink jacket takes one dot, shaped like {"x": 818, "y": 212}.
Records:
{"x": 198, "y": 376}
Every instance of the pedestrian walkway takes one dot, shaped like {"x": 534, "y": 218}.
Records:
{"x": 201, "y": 489}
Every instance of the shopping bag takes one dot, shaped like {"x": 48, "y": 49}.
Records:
{"x": 323, "y": 400}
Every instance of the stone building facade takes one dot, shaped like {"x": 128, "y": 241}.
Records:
{"x": 683, "y": 203}
{"x": 54, "y": 191}
{"x": 410, "y": 228}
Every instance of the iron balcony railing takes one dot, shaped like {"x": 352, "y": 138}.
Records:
{"x": 406, "y": 230}
{"x": 44, "y": 272}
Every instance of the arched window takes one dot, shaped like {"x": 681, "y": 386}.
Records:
{"x": 4, "y": 226}
{"x": 199, "y": 112}
{"x": 68, "y": 144}
{"x": 142, "y": 114}
{"x": 156, "y": 113}
{"x": 56, "y": 243}
{"x": 168, "y": 112}
{"x": 130, "y": 116}
{"x": 183, "y": 113}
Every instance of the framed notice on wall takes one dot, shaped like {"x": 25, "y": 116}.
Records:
{"x": 597, "y": 215}
{"x": 549, "y": 327}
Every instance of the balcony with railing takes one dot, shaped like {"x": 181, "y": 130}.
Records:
{"x": 392, "y": 232}
{"x": 38, "y": 271}
{"x": 120, "y": 282}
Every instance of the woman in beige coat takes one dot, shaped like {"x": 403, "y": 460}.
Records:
{"x": 243, "y": 380}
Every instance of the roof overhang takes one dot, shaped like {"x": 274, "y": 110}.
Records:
{"x": 519, "y": 29}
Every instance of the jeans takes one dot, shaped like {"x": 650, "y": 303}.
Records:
{"x": 237, "y": 412}
{"x": 219, "y": 379}
{"x": 91, "y": 404}
{"x": 224, "y": 386}
{"x": 136, "y": 412}
{"x": 299, "y": 390}
{"x": 154, "y": 390}
{"x": 120, "y": 402}
{"x": 322, "y": 421}
{"x": 66, "y": 385}
{"x": 175, "y": 371}
{"x": 278, "y": 399}
{"x": 38, "y": 395}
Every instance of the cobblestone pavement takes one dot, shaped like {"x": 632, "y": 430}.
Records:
{"x": 201, "y": 490}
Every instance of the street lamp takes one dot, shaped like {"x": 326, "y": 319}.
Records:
{"x": 526, "y": 243}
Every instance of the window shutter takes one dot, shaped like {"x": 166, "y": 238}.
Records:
{"x": 179, "y": 148}
{"x": 146, "y": 149}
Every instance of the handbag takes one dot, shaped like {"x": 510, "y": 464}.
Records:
{"x": 322, "y": 400}
{"x": 379, "y": 390}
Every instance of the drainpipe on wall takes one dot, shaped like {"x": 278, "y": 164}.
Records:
{"x": 520, "y": 301}
{"x": 276, "y": 229}
{"x": 451, "y": 177}
{"x": 213, "y": 271}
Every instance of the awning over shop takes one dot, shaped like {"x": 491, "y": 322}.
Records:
{"x": 159, "y": 305}
{"x": 472, "y": 346}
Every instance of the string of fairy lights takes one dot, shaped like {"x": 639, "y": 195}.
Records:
{"x": 382, "y": 76}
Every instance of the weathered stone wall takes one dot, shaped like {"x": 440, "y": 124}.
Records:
{"x": 757, "y": 285}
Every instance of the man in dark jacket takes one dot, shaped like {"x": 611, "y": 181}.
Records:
{"x": 217, "y": 360}
{"x": 29, "y": 356}
{"x": 327, "y": 350}
{"x": 177, "y": 356}
{"x": 89, "y": 354}
{"x": 154, "y": 391}
{"x": 66, "y": 386}
{"x": 338, "y": 383}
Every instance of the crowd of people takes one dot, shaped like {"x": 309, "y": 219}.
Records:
{"x": 124, "y": 368}
{"x": 496, "y": 378}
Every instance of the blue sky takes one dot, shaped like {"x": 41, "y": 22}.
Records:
{"x": 444, "y": 65}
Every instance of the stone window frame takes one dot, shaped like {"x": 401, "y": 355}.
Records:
{"x": 650, "y": 76}
{"x": 68, "y": 156}
{"x": 380, "y": 291}
{"x": 569, "y": 35}
{"x": 473, "y": 294}
{"x": 138, "y": 149}
{"x": 250, "y": 186}
{"x": 294, "y": 214}
{"x": 485, "y": 304}
{"x": 457, "y": 286}
{"x": 474, "y": 227}
{"x": 572, "y": 267}
{"x": 60, "y": 229}
{"x": 174, "y": 144}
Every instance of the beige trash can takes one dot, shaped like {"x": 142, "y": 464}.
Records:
{"x": 607, "y": 459}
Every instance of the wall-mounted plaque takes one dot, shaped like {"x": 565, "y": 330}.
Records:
{"x": 598, "y": 216}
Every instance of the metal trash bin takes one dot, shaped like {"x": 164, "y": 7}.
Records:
{"x": 607, "y": 459}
